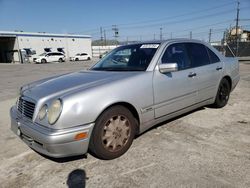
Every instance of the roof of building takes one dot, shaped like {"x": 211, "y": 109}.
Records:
{"x": 39, "y": 34}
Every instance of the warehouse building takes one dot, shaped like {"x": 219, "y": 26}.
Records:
{"x": 23, "y": 47}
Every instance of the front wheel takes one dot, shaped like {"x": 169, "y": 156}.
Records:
{"x": 113, "y": 133}
{"x": 43, "y": 61}
{"x": 60, "y": 60}
{"x": 222, "y": 94}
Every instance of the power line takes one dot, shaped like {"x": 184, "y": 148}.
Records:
{"x": 181, "y": 15}
{"x": 170, "y": 17}
{"x": 201, "y": 27}
{"x": 181, "y": 21}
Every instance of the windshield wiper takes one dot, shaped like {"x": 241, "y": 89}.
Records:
{"x": 117, "y": 69}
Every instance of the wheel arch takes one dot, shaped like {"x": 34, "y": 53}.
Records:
{"x": 130, "y": 107}
{"x": 228, "y": 78}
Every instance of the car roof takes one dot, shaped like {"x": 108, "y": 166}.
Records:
{"x": 53, "y": 52}
{"x": 169, "y": 41}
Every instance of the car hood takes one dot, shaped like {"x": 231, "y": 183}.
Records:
{"x": 58, "y": 86}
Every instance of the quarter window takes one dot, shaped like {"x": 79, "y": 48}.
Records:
{"x": 213, "y": 57}
{"x": 177, "y": 53}
{"x": 198, "y": 54}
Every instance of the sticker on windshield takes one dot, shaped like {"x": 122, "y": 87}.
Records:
{"x": 149, "y": 46}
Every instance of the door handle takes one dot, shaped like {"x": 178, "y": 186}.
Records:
{"x": 218, "y": 68}
{"x": 192, "y": 74}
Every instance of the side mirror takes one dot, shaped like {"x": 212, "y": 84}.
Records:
{"x": 168, "y": 67}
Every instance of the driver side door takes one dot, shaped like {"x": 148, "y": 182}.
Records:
{"x": 174, "y": 91}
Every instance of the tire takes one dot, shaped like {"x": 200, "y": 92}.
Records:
{"x": 76, "y": 59}
{"x": 43, "y": 61}
{"x": 223, "y": 94}
{"x": 113, "y": 133}
{"x": 88, "y": 58}
{"x": 60, "y": 60}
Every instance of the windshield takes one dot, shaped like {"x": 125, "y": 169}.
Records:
{"x": 134, "y": 57}
{"x": 43, "y": 54}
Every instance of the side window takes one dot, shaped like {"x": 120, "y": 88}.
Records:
{"x": 213, "y": 57}
{"x": 177, "y": 53}
{"x": 198, "y": 54}
{"x": 84, "y": 54}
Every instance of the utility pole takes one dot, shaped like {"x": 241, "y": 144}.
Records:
{"x": 209, "y": 36}
{"x": 190, "y": 35}
{"x": 105, "y": 39}
{"x": 116, "y": 32}
{"x": 161, "y": 33}
{"x": 237, "y": 25}
{"x": 101, "y": 36}
{"x": 224, "y": 42}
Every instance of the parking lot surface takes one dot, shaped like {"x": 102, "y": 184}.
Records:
{"x": 205, "y": 148}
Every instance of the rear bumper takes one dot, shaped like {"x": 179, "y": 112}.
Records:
{"x": 235, "y": 81}
{"x": 50, "y": 142}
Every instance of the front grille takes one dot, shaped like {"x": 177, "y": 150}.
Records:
{"x": 26, "y": 108}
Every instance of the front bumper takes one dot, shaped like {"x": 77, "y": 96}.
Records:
{"x": 38, "y": 60}
{"x": 50, "y": 142}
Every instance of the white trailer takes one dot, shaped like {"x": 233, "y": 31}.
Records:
{"x": 14, "y": 45}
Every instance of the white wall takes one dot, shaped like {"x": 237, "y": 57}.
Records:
{"x": 99, "y": 50}
{"x": 71, "y": 45}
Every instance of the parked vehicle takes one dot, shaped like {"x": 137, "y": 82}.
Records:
{"x": 102, "y": 109}
{"x": 80, "y": 57}
{"x": 50, "y": 57}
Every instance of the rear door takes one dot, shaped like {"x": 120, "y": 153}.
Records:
{"x": 176, "y": 90}
{"x": 207, "y": 67}
{"x": 49, "y": 57}
{"x": 57, "y": 56}
{"x": 84, "y": 56}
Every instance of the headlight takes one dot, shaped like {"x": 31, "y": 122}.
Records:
{"x": 54, "y": 111}
{"x": 43, "y": 111}
{"x": 19, "y": 94}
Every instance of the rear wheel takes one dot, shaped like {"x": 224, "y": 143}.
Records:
{"x": 113, "y": 133}
{"x": 222, "y": 94}
{"x": 76, "y": 59}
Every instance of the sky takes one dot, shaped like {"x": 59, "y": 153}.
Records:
{"x": 135, "y": 19}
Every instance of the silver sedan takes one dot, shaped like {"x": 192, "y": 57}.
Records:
{"x": 131, "y": 89}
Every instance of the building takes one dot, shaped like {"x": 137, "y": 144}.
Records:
{"x": 23, "y": 46}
